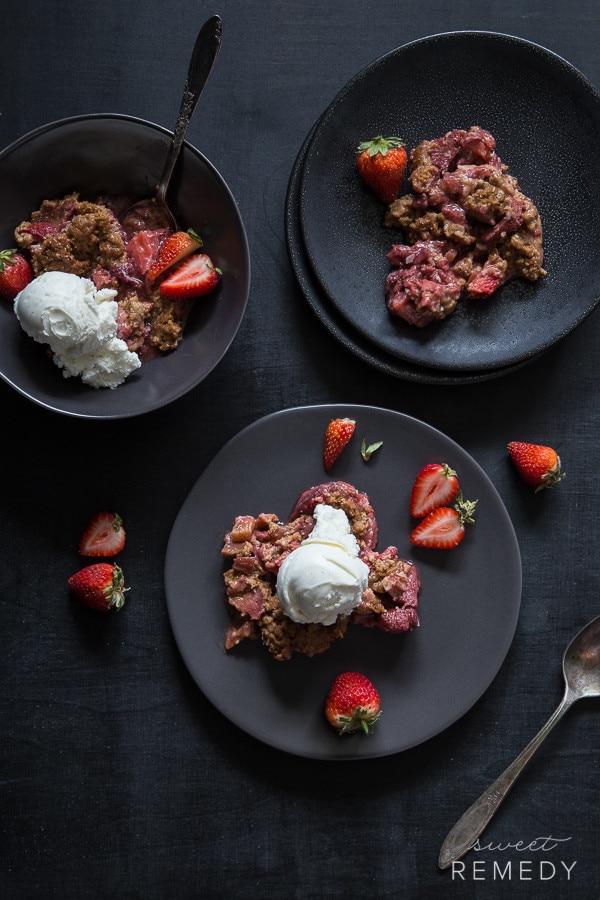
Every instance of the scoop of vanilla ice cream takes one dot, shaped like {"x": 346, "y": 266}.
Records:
{"x": 79, "y": 323}
{"x": 323, "y": 578}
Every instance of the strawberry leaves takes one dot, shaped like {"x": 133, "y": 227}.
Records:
{"x": 367, "y": 450}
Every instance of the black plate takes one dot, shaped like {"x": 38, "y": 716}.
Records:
{"x": 428, "y": 678}
{"x": 123, "y": 155}
{"x": 545, "y": 117}
{"x": 338, "y": 326}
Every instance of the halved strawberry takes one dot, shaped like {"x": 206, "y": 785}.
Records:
{"x": 176, "y": 248}
{"x": 435, "y": 485}
{"x": 194, "y": 277}
{"x": 337, "y": 435}
{"x": 104, "y": 536}
{"x": 444, "y": 527}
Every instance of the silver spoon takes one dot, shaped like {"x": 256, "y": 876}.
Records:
{"x": 156, "y": 211}
{"x": 581, "y": 671}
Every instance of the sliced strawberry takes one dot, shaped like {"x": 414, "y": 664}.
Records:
{"x": 193, "y": 277}
{"x": 337, "y": 435}
{"x": 435, "y": 485}
{"x": 104, "y": 536}
{"x": 444, "y": 527}
{"x": 144, "y": 246}
{"x": 175, "y": 249}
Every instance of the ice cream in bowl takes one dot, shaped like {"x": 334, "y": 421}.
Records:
{"x": 96, "y": 333}
{"x": 78, "y": 323}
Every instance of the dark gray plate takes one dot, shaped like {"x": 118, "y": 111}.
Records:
{"x": 119, "y": 154}
{"x": 428, "y": 678}
{"x": 546, "y": 119}
{"x": 338, "y": 325}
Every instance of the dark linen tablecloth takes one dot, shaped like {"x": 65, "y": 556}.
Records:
{"x": 118, "y": 778}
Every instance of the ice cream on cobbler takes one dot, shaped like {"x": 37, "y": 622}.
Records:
{"x": 79, "y": 325}
{"x": 298, "y": 585}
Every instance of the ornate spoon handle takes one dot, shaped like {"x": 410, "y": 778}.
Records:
{"x": 471, "y": 824}
{"x": 204, "y": 54}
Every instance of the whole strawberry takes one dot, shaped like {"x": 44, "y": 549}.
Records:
{"x": 352, "y": 704}
{"x": 381, "y": 164}
{"x": 337, "y": 435}
{"x": 537, "y": 465}
{"x": 15, "y": 273}
{"x": 99, "y": 586}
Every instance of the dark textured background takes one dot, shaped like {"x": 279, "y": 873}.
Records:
{"x": 118, "y": 779}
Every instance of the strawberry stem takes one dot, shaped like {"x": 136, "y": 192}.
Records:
{"x": 552, "y": 477}
{"x": 7, "y": 257}
{"x": 115, "y": 592}
{"x": 362, "y": 719}
{"x": 380, "y": 144}
{"x": 465, "y": 510}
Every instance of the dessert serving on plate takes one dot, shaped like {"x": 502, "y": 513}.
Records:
{"x": 468, "y": 228}
{"x": 467, "y": 607}
{"x": 343, "y": 247}
{"x": 299, "y": 585}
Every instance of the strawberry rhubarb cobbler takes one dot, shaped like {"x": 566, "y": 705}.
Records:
{"x": 298, "y": 585}
{"x": 468, "y": 228}
{"x": 109, "y": 290}
{"x": 98, "y": 241}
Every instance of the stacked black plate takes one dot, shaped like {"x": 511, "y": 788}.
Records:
{"x": 545, "y": 117}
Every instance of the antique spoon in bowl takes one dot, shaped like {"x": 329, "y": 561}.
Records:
{"x": 155, "y": 213}
{"x": 581, "y": 671}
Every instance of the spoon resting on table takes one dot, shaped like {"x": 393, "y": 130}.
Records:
{"x": 155, "y": 213}
{"x": 581, "y": 672}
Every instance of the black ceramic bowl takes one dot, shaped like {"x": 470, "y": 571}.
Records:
{"x": 118, "y": 154}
